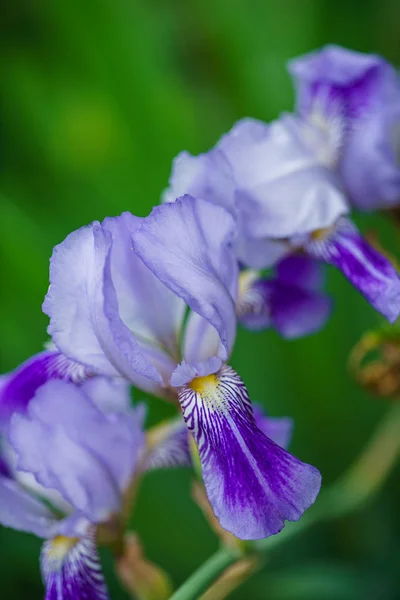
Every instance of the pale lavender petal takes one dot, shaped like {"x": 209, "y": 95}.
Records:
{"x": 188, "y": 245}
{"x": 283, "y": 188}
{"x": 207, "y": 176}
{"x": 200, "y": 339}
{"x": 370, "y": 272}
{"x": 83, "y": 308}
{"x": 278, "y": 429}
{"x": 253, "y": 485}
{"x": 73, "y": 447}
{"x": 21, "y": 385}
{"x": 185, "y": 372}
{"x": 169, "y": 446}
{"x": 147, "y": 307}
{"x": 71, "y": 570}
{"x": 21, "y": 511}
{"x": 109, "y": 395}
{"x": 301, "y": 271}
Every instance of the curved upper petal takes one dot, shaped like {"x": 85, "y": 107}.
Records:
{"x": 282, "y": 186}
{"x": 207, "y": 176}
{"x": 83, "y": 308}
{"x": 188, "y": 246}
{"x": 338, "y": 76}
{"x": 71, "y": 446}
{"x": 147, "y": 307}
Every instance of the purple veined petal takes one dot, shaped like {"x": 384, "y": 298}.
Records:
{"x": 20, "y": 386}
{"x": 253, "y": 485}
{"x": 301, "y": 271}
{"x": 71, "y": 569}
{"x": 21, "y": 511}
{"x": 73, "y": 447}
{"x": 370, "y": 272}
{"x": 277, "y": 429}
{"x": 147, "y": 307}
{"x": 207, "y": 176}
{"x": 83, "y": 308}
{"x": 188, "y": 245}
{"x": 294, "y": 312}
{"x": 168, "y": 446}
{"x": 336, "y": 76}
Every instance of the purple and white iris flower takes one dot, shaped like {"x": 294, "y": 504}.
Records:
{"x": 290, "y": 301}
{"x": 70, "y": 460}
{"x": 154, "y": 301}
{"x": 68, "y": 464}
{"x": 286, "y": 198}
{"x": 353, "y": 100}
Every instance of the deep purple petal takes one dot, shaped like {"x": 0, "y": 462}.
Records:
{"x": 292, "y": 311}
{"x": 169, "y": 446}
{"x": 301, "y": 271}
{"x": 335, "y": 77}
{"x": 23, "y": 512}
{"x": 73, "y": 447}
{"x": 278, "y": 429}
{"x": 253, "y": 485}
{"x": 83, "y": 308}
{"x": 188, "y": 245}
{"x": 370, "y": 272}
{"x": 71, "y": 570}
{"x": 21, "y": 384}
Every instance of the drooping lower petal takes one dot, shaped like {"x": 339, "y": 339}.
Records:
{"x": 71, "y": 570}
{"x": 21, "y": 385}
{"x": 370, "y": 272}
{"x": 253, "y": 485}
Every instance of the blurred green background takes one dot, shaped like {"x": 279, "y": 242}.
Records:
{"x": 97, "y": 97}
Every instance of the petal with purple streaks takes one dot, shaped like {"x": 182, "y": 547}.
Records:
{"x": 370, "y": 272}
{"x": 71, "y": 570}
{"x": 253, "y": 485}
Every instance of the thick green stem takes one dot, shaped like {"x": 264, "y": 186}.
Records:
{"x": 360, "y": 482}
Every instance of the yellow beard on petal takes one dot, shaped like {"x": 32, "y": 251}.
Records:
{"x": 206, "y": 386}
{"x": 60, "y": 546}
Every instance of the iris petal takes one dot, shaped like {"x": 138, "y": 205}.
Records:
{"x": 253, "y": 485}
{"x": 71, "y": 570}
{"x": 370, "y": 272}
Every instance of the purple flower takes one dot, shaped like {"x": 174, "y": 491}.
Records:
{"x": 70, "y": 459}
{"x": 70, "y": 463}
{"x": 290, "y": 301}
{"x": 117, "y": 302}
{"x": 353, "y": 99}
{"x": 286, "y": 197}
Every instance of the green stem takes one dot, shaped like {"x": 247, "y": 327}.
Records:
{"x": 205, "y": 575}
{"x": 365, "y": 476}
